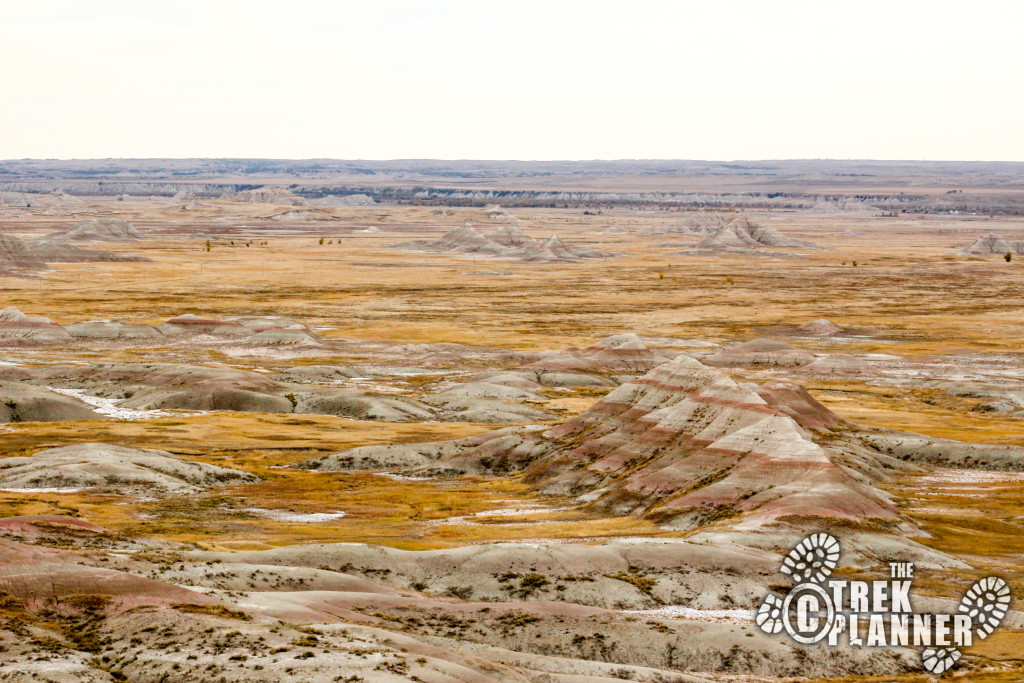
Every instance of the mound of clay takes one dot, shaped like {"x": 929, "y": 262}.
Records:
{"x": 993, "y": 244}
{"x": 16, "y": 258}
{"x": 554, "y": 249}
{"x": 347, "y": 200}
{"x": 497, "y": 213}
{"x": 511, "y": 236}
{"x": 316, "y": 374}
{"x": 18, "y": 328}
{"x": 361, "y": 405}
{"x": 166, "y": 386}
{"x": 293, "y": 216}
{"x": 286, "y": 336}
{"x": 482, "y": 566}
{"x": 115, "y": 468}
{"x": 820, "y": 327}
{"x": 838, "y": 365}
{"x": 273, "y": 330}
{"x": 845, "y": 206}
{"x": 269, "y": 195}
{"x": 947, "y": 452}
{"x": 112, "y": 329}
{"x": 462, "y": 240}
{"x": 620, "y": 354}
{"x": 95, "y": 230}
{"x": 614, "y": 229}
{"x": 27, "y": 403}
{"x": 684, "y": 443}
{"x": 193, "y": 324}
{"x": 741, "y": 234}
{"x": 760, "y": 352}
{"x": 507, "y": 242}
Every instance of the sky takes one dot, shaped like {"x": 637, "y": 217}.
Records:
{"x": 560, "y": 79}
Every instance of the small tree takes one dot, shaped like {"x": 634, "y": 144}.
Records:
{"x": 1008, "y": 256}
{"x": 321, "y": 240}
{"x": 207, "y": 245}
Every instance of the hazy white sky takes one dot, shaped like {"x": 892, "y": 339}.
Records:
{"x": 559, "y": 79}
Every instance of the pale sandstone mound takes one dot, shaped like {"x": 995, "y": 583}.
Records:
{"x": 67, "y": 252}
{"x": 463, "y": 240}
{"x": 730, "y": 236}
{"x": 495, "y": 399}
{"x": 18, "y": 328}
{"x": 344, "y": 200}
{"x": 760, "y": 352}
{"x": 269, "y": 330}
{"x": 820, "y": 327}
{"x": 361, "y": 405}
{"x": 193, "y": 324}
{"x": 621, "y": 354}
{"x": 316, "y": 374}
{"x": 838, "y": 365}
{"x": 167, "y": 386}
{"x": 269, "y": 195}
{"x": 486, "y": 411}
{"x": 115, "y": 468}
{"x": 95, "y": 230}
{"x": 497, "y": 213}
{"x": 484, "y": 566}
{"x": 511, "y": 236}
{"x": 554, "y": 249}
{"x": 993, "y": 244}
{"x": 62, "y": 246}
{"x": 260, "y": 323}
{"x": 743, "y": 234}
{"x": 37, "y": 577}
{"x": 16, "y": 258}
{"x": 294, "y": 216}
{"x": 508, "y": 242}
{"x": 112, "y": 329}
{"x": 26, "y": 403}
{"x": 845, "y": 206}
{"x": 684, "y": 443}
{"x": 286, "y": 336}
{"x": 926, "y": 450}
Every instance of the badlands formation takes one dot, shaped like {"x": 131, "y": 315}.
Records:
{"x": 295, "y": 437}
{"x": 508, "y": 241}
{"x": 994, "y": 244}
